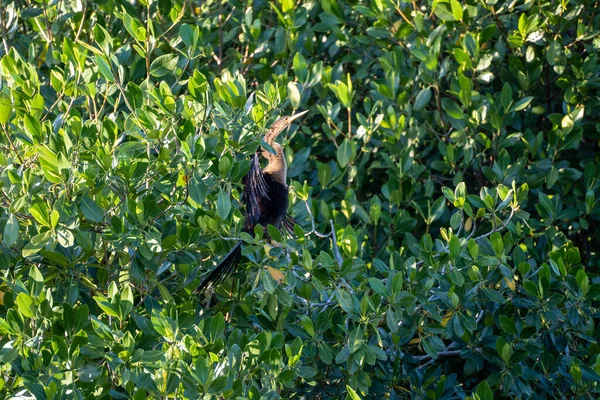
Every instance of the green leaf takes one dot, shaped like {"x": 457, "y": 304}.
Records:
{"x": 522, "y": 104}
{"x": 352, "y": 394}
{"x": 223, "y": 204}
{"x": 164, "y": 65}
{"x": 300, "y": 67}
{"x": 89, "y": 373}
{"x": 457, "y": 11}
{"x": 345, "y": 300}
{"x": 449, "y": 194}
{"x": 497, "y": 243}
{"x": 437, "y": 209}
{"x": 33, "y": 126}
{"x": 274, "y": 233}
{"x": 454, "y": 248}
{"x": 25, "y": 304}
{"x": 104, "y": 67}
{"x": 54, "y": 217}
{"x": 484, "y": 391}
{"x": 5, "y": 108}
{"x": 188, "y": 34}
{"x": 346, "y": 153}
{"x": 134, "y": 95}
{"x": 103, "y": 38}
{"x": 11, "y": 231}
{"x": 293, "y": 95}
{"x": 444, "y": 11}
{"x": 508, "y": 325}
{"x": 90, "y": 210}
{"x": 506, "y": 96}
{"x": 126, "y": 302}
{"x": 423, "y": 98}
{"x": 494, "y": 295}
{"x": 9, "y": 352}
{"x": 107, "y": 306}
{"x": 378, "y": 286}
{"x": 197, "y": 191}
{"x": 452, "y": 108}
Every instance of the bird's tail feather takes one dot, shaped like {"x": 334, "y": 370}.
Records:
{"x": 226, "y": 267}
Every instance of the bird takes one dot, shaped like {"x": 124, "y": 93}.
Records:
{"x": 265, "y": 197}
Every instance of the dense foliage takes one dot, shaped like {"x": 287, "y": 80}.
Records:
{"x": 446, "y": 184}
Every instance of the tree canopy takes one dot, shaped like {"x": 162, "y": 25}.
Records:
{"x": 445, "y": 184}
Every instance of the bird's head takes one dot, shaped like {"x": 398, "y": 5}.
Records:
{"x": 280, "y": 125}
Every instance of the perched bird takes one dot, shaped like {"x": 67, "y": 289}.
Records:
{"x": 265, "y": 197}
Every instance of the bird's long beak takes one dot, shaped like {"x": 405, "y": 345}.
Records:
{"x": 296, "y": 116}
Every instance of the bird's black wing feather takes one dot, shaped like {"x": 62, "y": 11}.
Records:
{"x": 255, "y": 188}
{"x": 225, "y": 268}
{"x": 288, "y": 224}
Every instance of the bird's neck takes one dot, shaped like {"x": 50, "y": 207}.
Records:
{"x": 277, "y": 167}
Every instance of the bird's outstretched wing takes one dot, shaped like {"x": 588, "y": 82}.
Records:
{"x": 255, "y": 188}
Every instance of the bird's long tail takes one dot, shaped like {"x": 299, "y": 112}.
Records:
{"x": 226, "y": 267}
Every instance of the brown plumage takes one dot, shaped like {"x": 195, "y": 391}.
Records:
{"x": 265, "y": 197}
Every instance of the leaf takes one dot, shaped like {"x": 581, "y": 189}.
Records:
{"x": 5, "y": 108}
{"x": 276, "y": 274}
{"x": 223, "y": 204}
{"x": 352, "y": 394}
{"x": 346, "y": 153}
{"x": 345, "y": 300}
{"x": 54, "y": 217}
{"x": 444, "y": 11}
{"x": 9, "y": 352}
{"x": 90, "y": 210}
{"x": 11, "y": 231}
{"x": 104, "y": 67}
{"x": 455, "y": 248}
{"x": 89, "y": 373}
{"x": 378, "y": 286}
{"x": 457, "y": 11}
{"x": 164, "y": 65}
{"x": 437, "y": 209}
{"x": 494, "y": 295}
{"x": 187, "y": 34}
{"x": 25, "y": 305}
{"x": 497, "y": 243}
{"x": 126, "y": 302}
{"x": 106, "y": 306}
{"x": 484, "y": 391}
{"x": 508, "y": 325}
{"x": 506, "y": 95}
{"x": 423, "y": 98}
{"x": 134, "y": 95}
{"x": 33, "y": 126}
{"x": 300, "y": 67}
{"x": 452, "y": 108}
{"x": 522, "y": 104}
{"x": 293, "y": 95}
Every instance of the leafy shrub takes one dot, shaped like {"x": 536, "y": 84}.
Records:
{"x": 445, "y": 183}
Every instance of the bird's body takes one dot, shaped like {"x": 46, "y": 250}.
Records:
{"x": 273, "y": 207}
{"x": 265, "y": 197}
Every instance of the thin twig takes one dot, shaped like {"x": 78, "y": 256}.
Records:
{"x": 336, "y": 249}
{"x": 446, "y": 352}
{"x": 12, "y": 144}
{"x": 512, "y": 213}
{"x": 312, "y": 220}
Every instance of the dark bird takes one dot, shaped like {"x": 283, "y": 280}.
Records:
{"x": 265, "y": 197}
